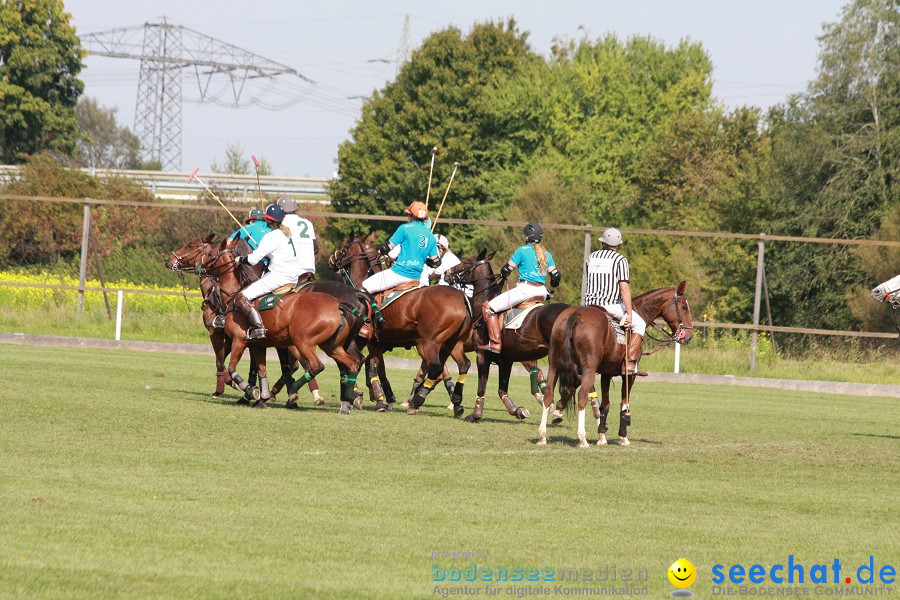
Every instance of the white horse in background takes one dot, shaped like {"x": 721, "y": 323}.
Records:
{"x": 889, "y": 291}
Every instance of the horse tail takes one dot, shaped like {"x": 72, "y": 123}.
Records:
{"x": 566, "y": 366}
{"x": 351, "y": 316}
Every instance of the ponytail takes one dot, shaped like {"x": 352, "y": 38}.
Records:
{"x": 283, "y": 228}
{"x": 541, "y": 257}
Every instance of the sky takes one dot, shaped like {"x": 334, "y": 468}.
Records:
{"x": 762, "y": 51}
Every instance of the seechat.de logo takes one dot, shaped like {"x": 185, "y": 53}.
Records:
{"x": 794, "y": 572}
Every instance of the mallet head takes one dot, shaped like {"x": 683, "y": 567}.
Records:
{"x": 193, "y": 174}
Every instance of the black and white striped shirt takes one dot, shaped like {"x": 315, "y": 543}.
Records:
{"x": 605, "y": 269}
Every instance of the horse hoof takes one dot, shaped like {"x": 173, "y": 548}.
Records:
{"x": 542, "y": 441}
{"x": 216, "y": 394}
{"x": 404, "y": 404}
{"x": 412, "y": 411}
{"x": 260, "y": 404}
{"x": 623, "y": 441}
{"x": 471, "y": 419}
{"x": 522, "y": 413}
{"x": 602, "y": 440}
{"x": 582, "y": 444}
{"x": 458, "y": 410}
{"x": 381, "y": 406}
{"x": 292, "y": 405}
{"x": 345, "y": 407}
{"x": 557, "y": 417}
{"x": 357, "y": 402}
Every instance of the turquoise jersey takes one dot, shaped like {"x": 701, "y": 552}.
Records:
{"x": 416, "y": 244}
{"x": 526, "y": 261}
{"x": 258, "y": 229}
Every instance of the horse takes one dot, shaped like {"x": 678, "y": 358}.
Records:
{"x": 437, "y": 320}
{"x": 191, "y": 256}
{"x": 527, "y": 344}
{"x": 302, "y": 321}
{"x": 584, "y": 343}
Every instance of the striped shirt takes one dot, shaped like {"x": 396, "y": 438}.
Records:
{"x": 605, "y": 269}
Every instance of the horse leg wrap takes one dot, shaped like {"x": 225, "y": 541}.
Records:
{"x": 388, "y": 392}
{"x": 509, "y": 404}
{"x": 264, "y": 394}
{"x": 604, "y": 413}
{"x": 377, "y": 391}
{"x": 418, "y": 398}
{"x": 239, "y": 381}
{"x": 348, "y": 384}
{"x": 595, "y": 404}
{"x": 417, "y": 383}
{"x": 535, "y": 384}
{"x": 478, "y": 411}
{"x": 448, "y": 383}
{"x": 626, "y": 415}
{"x": 220, "y": 383}
{"x": 304, "y": 379}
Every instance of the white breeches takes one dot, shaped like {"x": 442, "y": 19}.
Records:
{"x": 516, "y": 296}
{"x": 268, "y": 282}
{"x": 383, "y": 280}
{"x": 618, "y": 311}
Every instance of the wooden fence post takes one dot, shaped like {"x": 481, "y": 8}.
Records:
{"x": 82, "y": 271}
{"x": 760, "y": 266}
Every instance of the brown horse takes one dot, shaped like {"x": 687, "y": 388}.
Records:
{"x": 583, "y": 343}
{"x": 437, "y": 320}
{"x": 303, "y": 321}
{"x": 527, "y": 344}
{"x": 188, "y": 259}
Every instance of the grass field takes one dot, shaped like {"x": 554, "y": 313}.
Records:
{"x": 110, "y": 489}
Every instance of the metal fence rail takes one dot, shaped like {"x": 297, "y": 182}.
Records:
{"x": 760, "y": 238}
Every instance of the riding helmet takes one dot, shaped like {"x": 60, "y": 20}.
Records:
{"x": 612, "y": 237}
{"x": 255, "y": 215}
{"x": 288, "y": 204}
{"x": 417, "y": 210}
{"x": 533, "y": 233}
{"x": 274, "y": 213}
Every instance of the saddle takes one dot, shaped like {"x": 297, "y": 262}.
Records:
{"x": 382, "y": 299}
{"x": 514, "y": 317}
{"x": 614, "y": 323}
{"x": 272, "y": 298}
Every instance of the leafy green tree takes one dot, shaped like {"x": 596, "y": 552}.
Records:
{"x": 103, "y": 143}
{"x": 237, "y": 163}
{"x": 40, "y": 58}
{"x": 436, "y": 100}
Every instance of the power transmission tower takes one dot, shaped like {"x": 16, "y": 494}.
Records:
{"x": 166, "y": 51}
{"x": 403, "y": 51}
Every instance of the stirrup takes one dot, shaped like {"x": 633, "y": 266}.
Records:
{"x": 638, "y": 372}
{"x": 218, "y": 322}
{"x": 491, "y": 346}
{"x": 255, "y": 333}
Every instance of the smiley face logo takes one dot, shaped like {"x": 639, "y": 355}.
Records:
{"x": 682, "y": 573}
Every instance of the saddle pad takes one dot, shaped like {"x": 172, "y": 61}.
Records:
{"x": 619, "y": 331}
{"x": 395, "y": 293}
{"x": 271, "y": 299}
{"x": 514, "y": 317}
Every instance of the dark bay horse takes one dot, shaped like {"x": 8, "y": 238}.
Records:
{"x": 303, "y": 321}
{"x": 527, "y": 344}
{"x": 583, "y": 345}
{"x": 188, "y": 259}
{"x": 436, "y": 320}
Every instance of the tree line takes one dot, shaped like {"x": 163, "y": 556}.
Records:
{"x": 606, "y": 131}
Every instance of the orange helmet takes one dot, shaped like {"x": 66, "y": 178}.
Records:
{"x": 417, "y": 210}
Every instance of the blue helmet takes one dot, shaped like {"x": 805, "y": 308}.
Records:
{"x": 274, "y": 213}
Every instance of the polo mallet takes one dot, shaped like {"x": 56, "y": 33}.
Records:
{"x": 449, "y": 183}
{"x": 258, "y": 186}
{"x": 430, "y": 173}
{"x": 193, "y": 176}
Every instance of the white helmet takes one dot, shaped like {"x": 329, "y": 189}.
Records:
{"x": 442, "y": 242}
{"x": 612, "y": 237}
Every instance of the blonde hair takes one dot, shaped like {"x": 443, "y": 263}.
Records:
{"x": 541, "y": 256}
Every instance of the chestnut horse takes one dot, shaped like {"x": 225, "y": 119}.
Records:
{"x": 527, "y": 344}
{"x": 437, "y": 320}
{"x": 188, "y": 259}
{"x": 584, "y": 344}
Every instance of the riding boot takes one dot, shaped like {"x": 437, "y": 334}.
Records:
{"x": 492, "y": 320}
{"x": 255, "y": 329}
{"x": 633, "y": 355}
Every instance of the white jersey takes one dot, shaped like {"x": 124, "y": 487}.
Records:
{"x": 303, "y": 235}
{"x": 281, "y": 252}
{"x": 448, "y": 261}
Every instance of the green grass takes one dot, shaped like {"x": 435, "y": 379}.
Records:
{"x": 110, "y": 489}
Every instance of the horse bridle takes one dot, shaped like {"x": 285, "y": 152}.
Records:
{"x": 457, "y": 277}
{"x": 342, "y": 259}
{"x": 189, "y": 256}
{"x": 677, "y": 335}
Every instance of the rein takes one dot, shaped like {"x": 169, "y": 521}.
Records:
{"x": 342, "y": 260}
{"x": 670, "y": 338}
